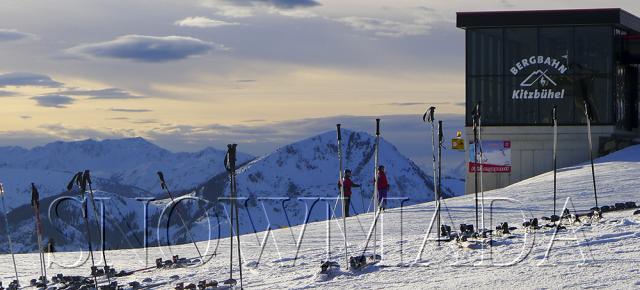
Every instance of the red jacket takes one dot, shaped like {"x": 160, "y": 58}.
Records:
{"x": 348, "y": 184}
{"x": 382, "y": 180}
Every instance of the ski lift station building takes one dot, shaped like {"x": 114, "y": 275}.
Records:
{"x": 520, "y": 64}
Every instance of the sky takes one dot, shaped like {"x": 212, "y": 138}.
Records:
{"x": 187, "y": 74}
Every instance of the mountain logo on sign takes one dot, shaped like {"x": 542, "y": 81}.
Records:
{"x": 537, "y": 76}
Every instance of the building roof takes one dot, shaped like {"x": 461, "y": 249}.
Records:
{"x": 602, "y": 16}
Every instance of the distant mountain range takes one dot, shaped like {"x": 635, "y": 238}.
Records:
{"x": 126, "y": 166}
{"x": 125, "y": 169}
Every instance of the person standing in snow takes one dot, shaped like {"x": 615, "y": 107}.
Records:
{"x": 347, "y": 184}
{"x": 383, "y": 187}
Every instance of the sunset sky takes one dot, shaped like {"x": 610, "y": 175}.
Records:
{"x": 193, "y": 73}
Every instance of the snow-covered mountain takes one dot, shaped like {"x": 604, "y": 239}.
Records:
{"x": 291, "y": 178}
{"x": 299, "y": 172}
{"x": 131, "y": 163}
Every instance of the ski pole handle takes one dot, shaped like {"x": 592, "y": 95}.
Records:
{"x": 73, "y": 180}
{"x": 81, "y": 181}
{"x": 1, "y": 189}
{"x": 377, "y": 127}
{"x": 162, "y": 182}
{"x": 230, "y": 159}
{"x": 586, "y": 110}
{"x": 440, "y": 131}
{"x": 87, "y": 177}
{"x": 35, "y": 196}
{"x": 339, "y": 132}
{"x": 429, "y": 115}
{"x": 554, "y": 114}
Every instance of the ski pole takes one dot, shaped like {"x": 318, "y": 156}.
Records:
{"x": 235, "y": 192}
{"x": 555, "y": 148}
{"x": 6, "y": 221}
{"x": 429, "y": 117}
{"x": 342, "y": 197}
{"x": 593, "y": 171}
{"x": 440, "y": 138}
{"x": 164, "y": 186}
{"x": 228, "y": 163}
{"x": 475, "y": 157}
{"x": 481, "y": 151}
{"x": 376, "y": 193}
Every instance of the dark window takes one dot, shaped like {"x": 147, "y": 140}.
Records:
{"x": 593, "y": 50}
{"x": 489, "y": 90}
{"x": 520, "y": 43}
{"x": 485, "y": 55}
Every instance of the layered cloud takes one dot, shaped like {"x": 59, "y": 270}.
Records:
{"x": 385, "y": 27}
{"x": 7, "y": 93}
{"x": 19, "y": 79}
{"x": 282, "y": 4}
{"x": 13, "y": 35}
{"x": 122, "y": 110}
{"x": 53, "y": 101}
{"x": 109, "y": 93}
{"x": 202, "y": 22}
{"x": 146, "y": 48}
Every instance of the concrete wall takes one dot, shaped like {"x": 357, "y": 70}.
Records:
{"x": 532, "y": 150}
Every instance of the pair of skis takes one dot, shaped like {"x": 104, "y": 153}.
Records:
{"x": 82, "y": 180}
{"x": 230, "y": 160}
{"x": 429, "y": 117}
{"x": 554, "y": 115}
{"x": 478, "y": 168}
{"x": 35, "y": 204}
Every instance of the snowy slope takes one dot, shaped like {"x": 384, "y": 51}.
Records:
{"x": 610, "y": 245}
{"x": 129, "y": 162}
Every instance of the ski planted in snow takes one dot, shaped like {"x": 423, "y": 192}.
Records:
{"x": 35, "y": 204}
{"x": 230, "y": 165}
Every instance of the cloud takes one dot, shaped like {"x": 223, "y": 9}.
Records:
{"x": 202, "y": 22}
{"x": 248, "y": 8}
{"x": 408, "y": 104}
{"x": 246, "y": 81}
{"x": 129, "y": 110}
{"x": 145, "y": 121}
{"x": 282, "y": 4}
{"x": 109, "y": 94}
{"x": 53, "y": 101}
{"x": 385, "y": 27}
{"x": 25, "y": 117}
{"x": 233, "y": 11}
{"x": 19, "y": 79}
{"x": 7, "y": 94}
{"x": 151, "y": 49}
{"x": 13, "y": 35}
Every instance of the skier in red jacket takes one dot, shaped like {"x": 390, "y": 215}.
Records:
{"x": 383, "y": 187}
{"x": 348, "y": 184}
